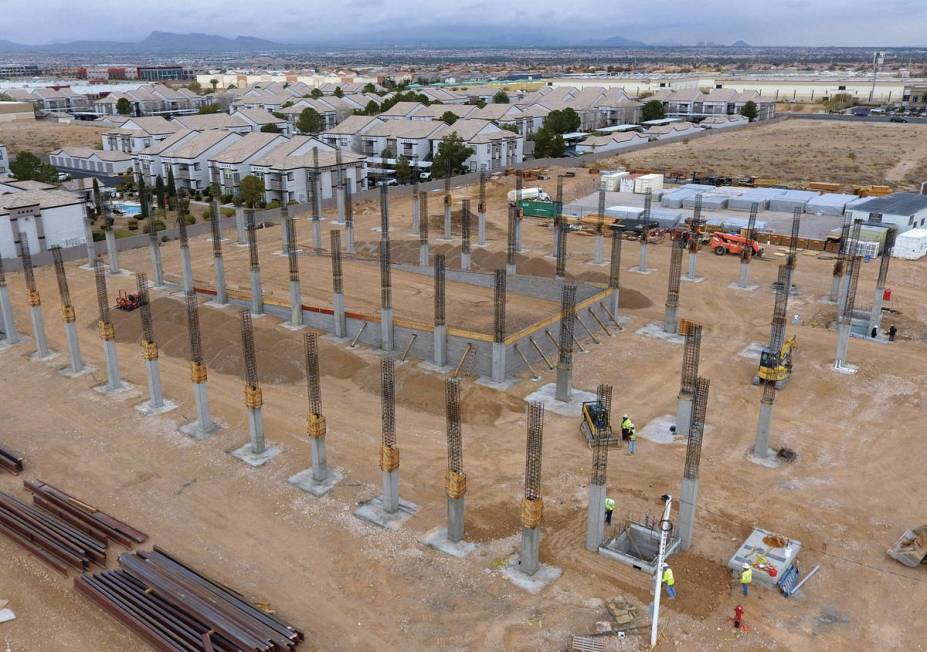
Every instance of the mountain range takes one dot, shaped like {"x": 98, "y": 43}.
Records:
{"x": 153, "y": 43}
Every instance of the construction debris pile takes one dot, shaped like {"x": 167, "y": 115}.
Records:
{"x": 10, "y": 460}
{"x": 175, "y": 608}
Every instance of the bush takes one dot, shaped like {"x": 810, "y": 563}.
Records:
{"x": 133, "y": 226}
{"x": 99, "y": 236}
{"x": 226, "y": 198}
{"x": 197, "y": 196}
{"x": 158, "y": 224}
{"x": 189, "y": 219}
{"x": 121, "y": 233}
{"x": 227, "y": 212}
{"x": 207, "y": 213}
{"x": 273, "y": 204}
{"x": 164, "y": 238}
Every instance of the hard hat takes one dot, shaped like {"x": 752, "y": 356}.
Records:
{"x": 665, "y": 565}
{"x": 624, "y": 416}
{"x": 746, "y": 565}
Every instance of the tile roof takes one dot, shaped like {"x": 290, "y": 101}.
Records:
{"x": 197, "y": 145}
{"x": 246, "y": 147}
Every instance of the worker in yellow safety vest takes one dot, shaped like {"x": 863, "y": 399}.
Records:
{"x": 626, "y": 427}
{"x": 632, "y": 440}
{"x": 609, "y": 508}
{"x": 746, "y": 576}
{"x": 669, "y": 581}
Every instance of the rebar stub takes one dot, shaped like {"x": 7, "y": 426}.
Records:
{"x": 389, "y": 458}
{"x": 33, "y": 297}
{"x": 69, "y": 314}
{"x": 532, "y": 511}
{"x": 198, "y": 372}
{"x": 456, "y": 484}
{"x": 107, "y": 332}
{"x": 315, "y": 426}
{"x": 253, "y": 397}
{"x": 149, "y": 350}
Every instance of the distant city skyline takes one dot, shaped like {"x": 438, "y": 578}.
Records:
{"x": 847, "y": 23}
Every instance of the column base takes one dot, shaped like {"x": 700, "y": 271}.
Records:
{"x": 105, "y": 390}
{"x": 692, "y": 279}
{"x": 51, "y": 355}
{"x": 372, "y": 511}
{"x": 437, "y": 539}
{"x": 146, "y": 409}
{"x": 194, "y": 431}
{"x": 737, "y": 286}
{"x": 656, "y": 331}
{"x": 290, "y": 327}
{"x": 637, "y": 270}
{"x": 318, "y": 488}
{"x": 67, "y": 372}
{"x": 544, "y": 575}
{"x": 256, "y": 459}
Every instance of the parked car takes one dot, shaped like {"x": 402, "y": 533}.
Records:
{"x": 387, "y": 182}
{"x": 424, "y": 176}
{"x": 897, "y": 118}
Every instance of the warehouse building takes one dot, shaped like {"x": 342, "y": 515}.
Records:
{"x": 904, "y": 210}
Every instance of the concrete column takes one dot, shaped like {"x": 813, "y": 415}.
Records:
{"x": 440, "y": 345}
{"x": 842, "y": 294}
{"x": 518, "y": 246}
{"x": 12, "y": 336}
{"x": 481, "y": 228}
{"x": 316, "y": 233}
{"x": 38, "y": 331}
{"x": 339, "y": 200}
{"x": 256, "y": 431}
{"x": 284, "y": 236}
{"x": 465, "y": 261}
{"x": 155, "y": 397}
{"x": 692, "y": 259}
{"x": 835, "y": 288}
{"x": 595, "y": 517}
{"x": 349, "y": 238}
{"x": 240, "y": 225}
{"x": 296, "y": 305}
{"x": 642, "y": 266}
{"x": 529, "y": 557}
{"x": 113, "y": 253}
{"x": 557, "y": 237}
{"x": 498, "y": 362}
{"x": 416, "y": 214}
{"x": 687, "y": 504}
{"x": 222, "y": 296}
{"x": 843, "y": 343}
{"x": 763, "y": 430}
{"x": 390, "y": 491}
{"x": 744, "y": 276}
{"x": 386, "y": 329}
{"x": 187, "y": 269}
{"x": 447, "y": 222}
{"x": 564, "y": 383}
{"x": 89, "y": 243}
{"x": 341, "y": 324}
{"x": 613, "y": 302}
{"x": 423, "y": 254}
{"x": 156, "y": 267}
{"x": 257, "y": 293}
{"x": 113, "y": 380}
{"x": 875, "y": 317}
{"x": 319, "y": 458}
{"x": 455, "y": 519}
{"x": 598, "y": 258}
{"x": 683, "y": 413}
{"x": 510, "y": 269}
{"x": 670, "y": 321}
{"x": 77, "y": 363}
{"x": 204, "y": 420}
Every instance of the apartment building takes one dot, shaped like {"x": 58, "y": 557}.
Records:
{"x": 136, "y": 134}
{"x": 44, "y": 218}
{"x": 86, "y": 160}
{"x": 189, "y": 161}
{"x": 288, "y": 168}
{"x": 149, "y": 163}
{"x": 232, "y": 164}
{"x": 493, "y": 148}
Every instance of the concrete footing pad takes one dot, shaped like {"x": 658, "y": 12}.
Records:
{"x": 146, "y": 409}
{"x": 638, "y": 270}
{"x": 694, "y": 279}
{"x": 5, "y": 345}
{"x": 372, "y": 511}
{"x": 216, "y": 306}
{"x": 546, "y": 395}
{"x": 658, "y": 430}
{"x": 195, "y": 432}
{"x": 771, "y": 461}
{"x": 750, "y": 288}
{"x": 255, "y": 459}
{"x": 431, "y": 366}
{"x": 486, "y": 381}
{"x": 35, "y": 357}
{"x": 437, "y": 539}
{"x": 846, "y": 369}
{"x": 290, "y": 327}
{"x": 67, "y": 372}
{"x": 545, "y": 575}
{"x": 318, "y": 488}
{"x": 655, "y": 330}
{"x": 123, "y": 389}
{"x": 752, "y": 351}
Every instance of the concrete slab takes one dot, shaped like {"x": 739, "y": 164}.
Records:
{"x": 697, "y": 279}
{"x": 35, "y": 357}
{"x": 753, "y": 287}
{"x": 372, "y": 511}
{"x": 252, "y": 459}
{"x": 655, "y": 331}
{"x": 305, "y": 482}
{"x": 505, "y": 385}
{"x": 124, "y": 389}
{"x": 530, "y": 583}
{"x": 193, "y": 430}
{"x": 146, "y": 409}
{"x": 658, "y": 430}
{"x": 67, "y": 373}
{"x": 637, "y": 270}
{"x": 437, "y": 539}
{"x": 546, "y": 395}
{"x": 752, "y": 351}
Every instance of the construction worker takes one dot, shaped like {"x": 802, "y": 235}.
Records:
{"x": 632, "y": 440}
{"x": 746, "y": 576}
{"x": 892, "y": 332}
{"x": 609, "y": 508}
{"x": 669, "y": 581}
{"x": 626, "y": 426}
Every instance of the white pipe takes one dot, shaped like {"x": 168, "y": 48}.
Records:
{"x": 658, "y": 573}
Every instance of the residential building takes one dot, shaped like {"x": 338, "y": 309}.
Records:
{"x": 723, "y": 121}
{"x": 673, "y": 130}
{"x": 4, "y": 158}
{"x": 44, "y": 218}
{"x": 287, "y": 168}
{"x": 136, "y": 134}
{"x": 258, "y": 119}
{"x": 692, "y": 103}
{"x": 329, "y": 114}
{"x": 493, "y": 148}
{"x": 611, "y": 142}
{"x": 189, "y": 160}
{"x": 232, "y": 164}
{"x": 89, "y": 161}
{"x": 149, "y": 163}
{"x": 914, "y": 96}
{"x": 395, "y": 138}
{"x": 348, "y": 133}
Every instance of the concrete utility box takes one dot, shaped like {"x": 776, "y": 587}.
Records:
{"x": 637, "y": 547}
{"x": 779, "y": 552}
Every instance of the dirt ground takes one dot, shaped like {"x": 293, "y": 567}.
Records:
{"x": 853, "y": 489}
{"x": 800, "y": 151}
{"x": 40, "y": 137}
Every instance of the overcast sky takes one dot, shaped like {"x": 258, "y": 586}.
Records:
{"x": 769, "y": 22}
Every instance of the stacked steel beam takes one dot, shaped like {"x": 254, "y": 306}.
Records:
{"x": 173, "y": 607}
{"x": 10, "y": 460}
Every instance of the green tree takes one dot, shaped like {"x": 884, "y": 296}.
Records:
{"x": 338, "y": 92}
{"x": 748, "y": 110}
{"x": 270, "y": 128}
{"x": 160, "y": 193}
{"x": 210, "y": 108}
{"x": 195, "y": 87}
{"x": 562, "y": 122}
{"x": 123, "y": 106}
{"x": 501, "y": 97}
{"x": 370, "y": 88}
{"x": 214, "y": 83}
{"x": 480, "y": 104}
{"x": 403, "y": 169}
{"x": 839, "y": 102}
{"x": 316, "y": 93}
{"x": 309, "y": 121}
{"x": 452, "y": 154}
{"x": 25, "y": 166}
{"x": 372, "y": 108}
{"x": 548, "y": 144}
{"x": 449, "y": 117}
{"x": 97, "y": 197}
{"x": 652, "y": 110}
{"x": 251, "y": 190}
{"x": 408, "y": 96}
{"x": 171, "y": 189}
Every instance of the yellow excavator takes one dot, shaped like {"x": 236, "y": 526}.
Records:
{"x": 776, "y": 366}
